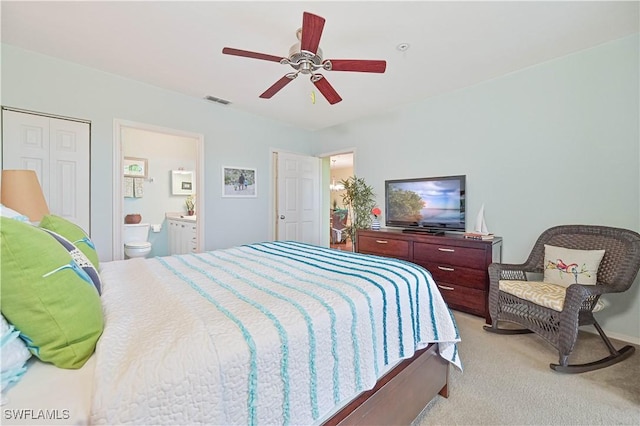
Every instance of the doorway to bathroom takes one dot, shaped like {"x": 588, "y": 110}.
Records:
{"x": 147, "y": 160}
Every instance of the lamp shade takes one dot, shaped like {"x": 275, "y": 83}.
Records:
{"x": 21, "y": 192}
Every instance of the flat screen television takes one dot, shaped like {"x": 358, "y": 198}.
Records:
{"x": 429, "y": 204}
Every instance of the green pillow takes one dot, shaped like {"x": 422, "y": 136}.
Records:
{"x": 73, "y": 233}
{"x": 42, "y": 293}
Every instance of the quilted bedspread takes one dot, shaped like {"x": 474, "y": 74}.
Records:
{"x": 270, "y": 333}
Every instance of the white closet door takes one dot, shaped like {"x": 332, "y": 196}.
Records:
{"x": 25, "y": 145}
{"x": 59, "y": 152}
{"x": 69, "y": 171}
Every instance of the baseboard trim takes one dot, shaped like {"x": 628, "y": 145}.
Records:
{"x": 613, "y": 335}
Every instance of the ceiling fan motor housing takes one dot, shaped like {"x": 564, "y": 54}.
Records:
{"x": 304, "y": 61}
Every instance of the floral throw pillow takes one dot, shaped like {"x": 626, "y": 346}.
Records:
{"x": 563, "y": 266}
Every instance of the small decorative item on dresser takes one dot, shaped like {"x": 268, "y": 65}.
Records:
{"x": 375, "y": 223}
{"x": 478, "y": 236}
{"x": 132, "y": 218}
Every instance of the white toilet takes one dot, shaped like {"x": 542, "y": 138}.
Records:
{"x": 135, "y": 240}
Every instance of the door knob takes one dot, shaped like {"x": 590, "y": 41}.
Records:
{"x": 281, "y": 216}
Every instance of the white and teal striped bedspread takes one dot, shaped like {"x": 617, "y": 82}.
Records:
{"x": 271, "y": 333}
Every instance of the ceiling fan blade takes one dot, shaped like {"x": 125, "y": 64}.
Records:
{"x": 326, "y": 89}
{"x": 312, "y": 26}
{"x": 358, "y": 65}
{"x": 248, "y": 54}
{"x": 276, "y": 87}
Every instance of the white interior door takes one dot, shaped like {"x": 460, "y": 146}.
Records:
{"x": 58, "y": 150}
{"x": 298, "y": 198}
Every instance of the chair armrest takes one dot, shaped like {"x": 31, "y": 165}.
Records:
{"x": 585, "y": 290}
{"x": 507, "y": 271}
{"x": 577, "y": 294}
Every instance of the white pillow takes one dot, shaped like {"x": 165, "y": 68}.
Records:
{"x": 563, "y": 266}
{"x": 13, "y": 354}
{"x": 12, "y": 214}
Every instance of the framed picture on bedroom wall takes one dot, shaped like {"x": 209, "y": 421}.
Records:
{"x": 239, "y": 182}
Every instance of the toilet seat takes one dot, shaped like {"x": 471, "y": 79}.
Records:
{"x": 135, "y": 249}
{"x": 138, "y": 244}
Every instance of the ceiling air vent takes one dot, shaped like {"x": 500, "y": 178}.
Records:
{"x": 217, "y": 100}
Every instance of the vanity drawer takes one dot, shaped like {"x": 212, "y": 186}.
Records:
{"x": 449, "y": 254}
{"x": 384, "y": 246}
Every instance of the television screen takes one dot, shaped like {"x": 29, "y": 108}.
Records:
{"x": 431, "y": 203}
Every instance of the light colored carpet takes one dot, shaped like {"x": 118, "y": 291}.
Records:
{"x": 507, "y": 381}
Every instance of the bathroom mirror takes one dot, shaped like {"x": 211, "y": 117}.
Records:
{"x": 182, "y": 182}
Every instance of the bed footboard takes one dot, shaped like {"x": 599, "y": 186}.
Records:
{"x": 401, "y": 394}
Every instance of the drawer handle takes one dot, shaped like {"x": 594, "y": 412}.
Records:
{"x": 444, "y": 268}
{"x": 444, "y": 287}
{"x": 382, "y": 241}
{"x": 448, "y": 250}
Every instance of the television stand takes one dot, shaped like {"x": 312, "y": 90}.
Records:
{"x": 425, "y": 231}
{"x": 458, "y": 265}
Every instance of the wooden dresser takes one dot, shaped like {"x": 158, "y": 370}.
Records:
{"x": 457, "y": 264}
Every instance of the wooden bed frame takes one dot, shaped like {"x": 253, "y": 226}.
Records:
{"x": 401, "y": 394}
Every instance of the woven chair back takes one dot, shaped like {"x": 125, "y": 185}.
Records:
{"x": 621, "y": 260}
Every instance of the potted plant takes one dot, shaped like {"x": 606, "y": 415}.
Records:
{"x": 359, "y": 198}
{"x": 190, "y": 202}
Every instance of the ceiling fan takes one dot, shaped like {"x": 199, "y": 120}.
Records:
{"x": 305, "y": 57}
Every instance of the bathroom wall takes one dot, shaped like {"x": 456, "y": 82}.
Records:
{"x": 164, "y": 153}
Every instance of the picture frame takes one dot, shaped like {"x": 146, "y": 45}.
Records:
{"x": 239, "y": 182}
{"x": 182, "y": 182}
{"x": 135, "y": 167}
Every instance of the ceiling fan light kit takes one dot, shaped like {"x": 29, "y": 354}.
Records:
{"x": 305, "y": 57}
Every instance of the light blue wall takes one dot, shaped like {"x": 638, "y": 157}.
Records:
{"x": 556, "y": 143}
{"x": 35, "y": 82}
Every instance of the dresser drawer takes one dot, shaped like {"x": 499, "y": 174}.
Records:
{"x": 384, "y": 246}
{"x": 463, "y": 298}
{"x": 467, "y": 277}
{"x": 450, "y": 255}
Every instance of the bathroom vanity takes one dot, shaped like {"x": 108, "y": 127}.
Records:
{"x": 182, "y": 234}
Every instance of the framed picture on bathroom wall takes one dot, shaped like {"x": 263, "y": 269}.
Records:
{"x": 182, "y": 182}
{"x": 135, "y": 167}
{"x": 239, "y": 182}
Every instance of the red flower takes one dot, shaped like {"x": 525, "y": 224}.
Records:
{"x": 376, "y": 211}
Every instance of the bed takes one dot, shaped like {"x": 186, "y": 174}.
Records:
{"x": 268, "y": 333}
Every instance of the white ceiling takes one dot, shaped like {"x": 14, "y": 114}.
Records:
{"x": 178, "y": 46}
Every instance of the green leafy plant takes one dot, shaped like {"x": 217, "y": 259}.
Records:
{"x": 359, "y": 198}
{"x": 190, "y": 202}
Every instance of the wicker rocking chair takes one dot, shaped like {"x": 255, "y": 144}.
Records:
{"x": 558, "y": 324}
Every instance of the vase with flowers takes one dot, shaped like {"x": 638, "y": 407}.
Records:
{"x": 190, "y": 202}
{"x": 375, "y": 223}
